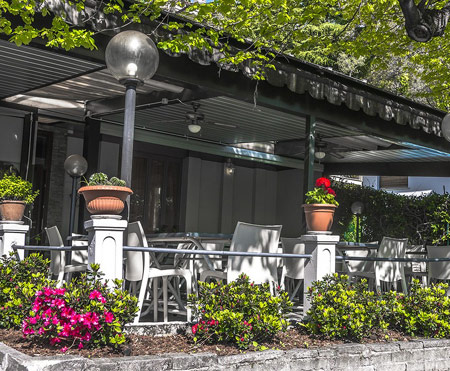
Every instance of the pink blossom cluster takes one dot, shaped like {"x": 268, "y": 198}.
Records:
{"x": 53, "y": 317}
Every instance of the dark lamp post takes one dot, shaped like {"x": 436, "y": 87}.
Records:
{"x": 357, "y": 209}
{"x": 76, "y": 166}
{"x": 131, "y": 57}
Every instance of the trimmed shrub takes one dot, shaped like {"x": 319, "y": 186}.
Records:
{"x": 19, "y": 281}
{"x": 240, "y": 312}
{"x": 343, "y": 310}
{"x": 85, "y": 312}
{"x": 424, "y": 312}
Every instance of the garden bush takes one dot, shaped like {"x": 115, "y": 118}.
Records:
{"x": 424, "y": 312}
{"x": 343, "y": 310}
{"x": 239, "y": 312}
{"x": 84, "y": 312}
{"x": 19, "y": 281}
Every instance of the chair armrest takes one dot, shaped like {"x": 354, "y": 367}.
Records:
{"x": 213, "y": 274}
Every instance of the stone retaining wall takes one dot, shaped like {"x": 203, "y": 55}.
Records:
{"x": 404, "y": 356}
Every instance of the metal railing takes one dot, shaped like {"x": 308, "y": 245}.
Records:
{"x": 168, "y": 251}
{"x": 230, "y": 253}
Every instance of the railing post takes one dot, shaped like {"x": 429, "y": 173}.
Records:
{"x": 12, "y": 234}
{"x": 322, "y": 247}
{"x": 105, "y": 234}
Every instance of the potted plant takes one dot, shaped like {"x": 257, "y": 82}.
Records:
{"x": 320, "y": 206}
{"x": 15, "y": 194}
{"x": 105, "y": 196}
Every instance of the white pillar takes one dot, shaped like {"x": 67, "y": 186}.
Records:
{"x": 12, "y": 234}
{"x": 105, "y": 236}
{"x": 322, "y": 247}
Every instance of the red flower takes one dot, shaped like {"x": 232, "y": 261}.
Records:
{"x": 195, "y": 328}
{"x": 331, "y": 191}
{"x": 323, "y": 182}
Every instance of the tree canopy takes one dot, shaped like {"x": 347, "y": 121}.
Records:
{"x": 366, "y": 39}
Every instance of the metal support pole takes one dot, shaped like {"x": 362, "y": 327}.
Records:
{"x": 72, "y": 205}
{"x": 308, "y": 162}
{"x": 358, "y": 237}
{"x": 128, "y": 136}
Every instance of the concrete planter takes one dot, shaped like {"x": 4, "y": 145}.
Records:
{"x": 411, "y": 355}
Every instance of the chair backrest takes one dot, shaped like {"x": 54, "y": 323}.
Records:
{"x": 391, "y": 248}
{"x": 295, "y": 267}
{"x": 439, "y": 270}
{"x": 136, "y": 261}
{"x": 359, "y": 265}
{"x": 254, "y": 238}
{"x": 57, "y": 258}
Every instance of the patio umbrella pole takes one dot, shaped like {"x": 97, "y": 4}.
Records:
{"x": 128, "y": 136}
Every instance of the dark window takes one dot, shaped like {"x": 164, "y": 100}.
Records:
{"x": 156, "y": 183}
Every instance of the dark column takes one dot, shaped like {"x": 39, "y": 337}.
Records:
{"x": 28, "y": 146}
{"x": 27, "y": 156}
{"x": 308, "y": 170}
{"x": 91, "y": 152}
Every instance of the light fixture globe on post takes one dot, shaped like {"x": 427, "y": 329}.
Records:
{"x": 131, "y": 57}
{"x": 357, "y": 209}
{"x": 76, "y": 166}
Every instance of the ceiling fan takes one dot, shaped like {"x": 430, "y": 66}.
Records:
{"x": 330, "y": 146}
{"x": 195, "y": 120}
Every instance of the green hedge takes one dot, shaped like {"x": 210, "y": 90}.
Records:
{"x": 421, "y": 219}
{"x": 345, "y": 310}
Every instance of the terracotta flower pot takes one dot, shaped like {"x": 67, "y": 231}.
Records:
{"x": 12, "y": 210}
{"x": 319, "y": 217}
{"x": 107, "y": 200}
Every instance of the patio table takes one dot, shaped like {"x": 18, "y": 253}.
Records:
{"x": 194, "y": 239}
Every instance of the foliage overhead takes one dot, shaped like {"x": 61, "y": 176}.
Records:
{"x": 360, "y": 38}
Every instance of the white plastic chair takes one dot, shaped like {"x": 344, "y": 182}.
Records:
{"x": 381, "y": 271}
{"x": 416, "y": 270}
{"x": 293, "y": 268}
{"x": 438, "y": 270}
{"x": 138, "y": 267}
{"x": 251, "y": 238}
{"x": 391, "y": 271}
{"x": 58, "y": 264}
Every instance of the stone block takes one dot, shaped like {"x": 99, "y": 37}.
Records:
{"x": 436, "y": 343}
{"x": 192, "y": 362}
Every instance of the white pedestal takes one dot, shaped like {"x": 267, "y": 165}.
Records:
{"x": 106, "y": 245}
{"x": 323, "y": 261}
{"x": 12, "y": 234}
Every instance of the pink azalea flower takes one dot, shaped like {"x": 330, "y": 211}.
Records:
{"x": 109, "y": 317}
{"x": 64, "y": 349}
{"x": 54, "y": 341}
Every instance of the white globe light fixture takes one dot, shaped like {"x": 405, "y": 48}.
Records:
{"x": 76, "y": 166}
{"x": 132, "y": 58}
